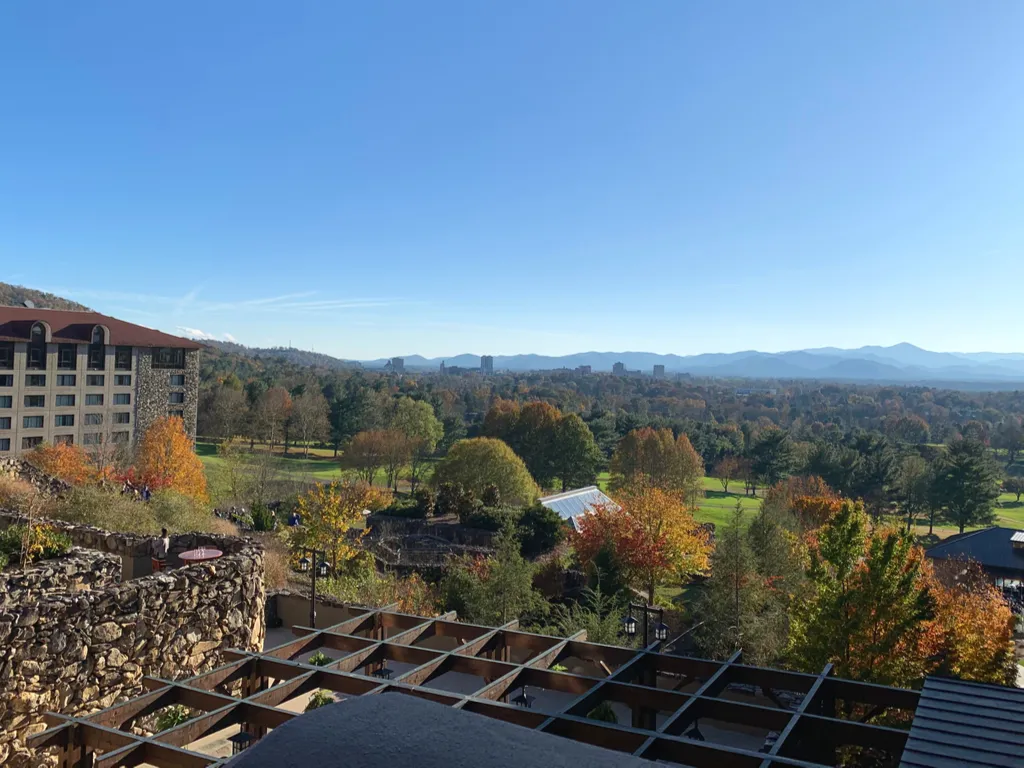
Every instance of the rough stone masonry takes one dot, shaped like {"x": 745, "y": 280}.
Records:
{"x": 75, "y": 651}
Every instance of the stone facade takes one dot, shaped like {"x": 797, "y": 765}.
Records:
{"x": 153, "y": 391}
{"x": 80, "y": 651}
{"x": 77, "y": 570}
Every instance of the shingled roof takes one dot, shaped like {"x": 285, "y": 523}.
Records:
{"x": 71, "y": 327}
{"x": 990, "y": 547}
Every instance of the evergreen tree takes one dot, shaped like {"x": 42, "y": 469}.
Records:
{"x": 966, "y": 485}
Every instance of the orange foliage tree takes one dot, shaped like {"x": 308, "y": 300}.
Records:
{"x": 166, "y": 458}
{"x": 653, "y": 534}
{"x": 69, "y": 463}
{"x": 654, "y": 457}
{"x": 809, "y": 499}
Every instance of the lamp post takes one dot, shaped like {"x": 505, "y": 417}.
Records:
{"x": 314, "y": 568}
{"x": 629, "y": 624}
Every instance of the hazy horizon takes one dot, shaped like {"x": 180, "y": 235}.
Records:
{"x": 405, "y": 178}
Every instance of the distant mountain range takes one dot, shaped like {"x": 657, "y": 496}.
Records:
{"x": 901, "y": 363}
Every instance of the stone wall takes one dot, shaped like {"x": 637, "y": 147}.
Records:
{"x": 77, "y": 570}
{"x": 22, "y": 470}
{"x": 153, "y": 391}
{"x": 77, "y": 652}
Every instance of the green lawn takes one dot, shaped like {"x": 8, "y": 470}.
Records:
{"x": 716, "y": 506}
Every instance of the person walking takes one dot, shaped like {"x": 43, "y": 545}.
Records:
{"x": 160, "y": 548}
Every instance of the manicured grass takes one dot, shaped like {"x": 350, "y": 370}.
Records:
{"x": 716, "y": 506}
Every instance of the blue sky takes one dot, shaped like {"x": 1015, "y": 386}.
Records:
{"x": 371, "y": 179}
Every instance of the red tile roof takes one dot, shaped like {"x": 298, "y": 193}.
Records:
{"x": 71, "y": 327}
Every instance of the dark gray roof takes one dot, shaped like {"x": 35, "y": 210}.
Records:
{"x": 966, "y": 724}
{"x": 390, "y": 730}
{"x": 991, "y": 547}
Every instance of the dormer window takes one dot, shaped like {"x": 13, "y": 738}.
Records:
{"x": 37, "y": 347}
{"x": 98, "y": 349}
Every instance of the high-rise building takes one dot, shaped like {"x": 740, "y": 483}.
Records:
{"x": 396, "y": 365}
{"x": 619, "y": 369}
{"x": 487, "y": 365}
{"x": 86, "y": 379}
{"x": 659, "y": 371}
{"x": 584, "y": 369}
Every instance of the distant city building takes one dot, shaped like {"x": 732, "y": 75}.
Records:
{"x": 659, "y": 371}
{"x": 619, "y": 369}
{"x": 396, "y": 365}
{"x": 486, "y": 365}
{"x": 442, "y": 367}
{"x": 754, "y": 391}
{"x": 584, "y": 369}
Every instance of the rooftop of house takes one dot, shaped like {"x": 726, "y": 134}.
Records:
{"x": 571, "y": 504}
{"x": 989, "y": 547}
{"x": 75, "y": 327}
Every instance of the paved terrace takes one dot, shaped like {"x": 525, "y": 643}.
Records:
{"x": 673, "y": 709}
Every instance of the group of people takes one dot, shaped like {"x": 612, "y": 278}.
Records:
{"x": 129, "y": 489}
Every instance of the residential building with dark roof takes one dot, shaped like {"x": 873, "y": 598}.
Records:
{"x": 999, "y": 552}
{"x": 89, "y": 379}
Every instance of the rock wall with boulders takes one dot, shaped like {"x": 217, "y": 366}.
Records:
{"x": 77, "y": 570}
{"x": 75, "y": 652}
{"x": 42, "y": 482}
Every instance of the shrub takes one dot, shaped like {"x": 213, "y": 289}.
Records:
{"x": 3, "y": 560}
{"x": 542, "y": 530}
{"x": 491, "y": 497}
{"x": 44, "y": 543}
{"x": 171, "y": 716}
{"x": 16, "y": 494}
{"x": 424, "y": 502}
{"x": 276, "y": 569}
{"x": 320, "y": 659}
{"x": 453, "y": 499}
{"x": 604, "y": 713}
{"x": 263, "y": 519}
{"x": 320, "y": 698}
{"x": 90, "y": 505}
{"x": 491, "y": 518}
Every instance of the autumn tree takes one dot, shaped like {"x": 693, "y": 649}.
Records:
{"x": 576, "y": 457}
{"x": 908, "y": 429}
{"x": 329, "y": 510}
{"x": 415, "y": 419}
{"x": 166, "y": 458}
{"x": 534, "y": 439}
{"x": 397, "y": 450}
{"x": 966, "y": 484}
{"x": 479, "y": 462}
{"x": 69, "y": 463}
{"x": 223, "y": 411}
{"x": 653, "y": 457}
{"x": 309, "y": 420}
{"x": 867, "y": 608}
{"x": 913, "y": 491}
{"x": 271, "y": 413}
{"x": 365, "y": 453}
{"x": 726, "y": 471}
{"x": 653, "y": 534}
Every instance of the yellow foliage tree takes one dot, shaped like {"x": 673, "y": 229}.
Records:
{"x": 330, "y": 510}
{"x": 69, "y": 463}
{"x": 167, "y": 459}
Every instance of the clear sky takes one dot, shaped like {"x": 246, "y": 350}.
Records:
{"x": 379, "y": 178}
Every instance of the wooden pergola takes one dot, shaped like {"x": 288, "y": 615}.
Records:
{"x": 810, "y": 719}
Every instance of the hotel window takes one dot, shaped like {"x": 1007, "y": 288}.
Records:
{"x": 177, "y": 398}
{"x": 5, "y": 422}
{"x": 6, "y": 401}
{"x": 123, "y": 398}
{"x": 7, "y": 355}
{"x": 92, "y": 438}
{"x": 123, "y": 358}
{"x": 67, "y": 380}
{"x": 32, "y": 422}
{"x": 97, "y": 351}
{"x": 168, "y": 357}
{"x": 7, "y": 380}
{"x": 94, "y": 399}
{"x": 30, "y": 442}
{"x": 5, "y": 443}
{"x": 63, "y": 439}
{"x": 67, "y": 357}
{"x": 177, "y": 414}
{"x": 122, "y": 418}
{"x": 35, "y": 401}
{"x": 37, "y": 347}
{"x": 95, "y": 380}
{"x": 35, "y": 380}
{"x": 93, "y": 419}
{"x": 119, "y": 437}
{"x": 64, "y": 401}
{"x": 177, "y": 379}
{"x": 123, "y": 380}
{"x": 67, "y": 420}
